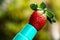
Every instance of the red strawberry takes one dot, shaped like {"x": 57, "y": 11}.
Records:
{"x": 38, "y": 20}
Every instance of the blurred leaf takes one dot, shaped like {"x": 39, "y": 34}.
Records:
{"x": 34, "y": 6}
{"x": 1, "y": 1}
{"x": 42, "y": 5}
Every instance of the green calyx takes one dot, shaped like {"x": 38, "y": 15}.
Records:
{"x": 50, "y": 16}
{"x": 34, "y": 6}
{"x": 42, "y": 5}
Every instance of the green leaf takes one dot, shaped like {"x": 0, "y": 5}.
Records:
{"x": 34, "y": 6}
{"x": 42, "y": 5}
{"x": 50, "y": 16}
{"x": 53, "y": 19}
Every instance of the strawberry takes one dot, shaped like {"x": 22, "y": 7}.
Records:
{"x": 38, "y": 20}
